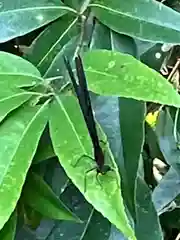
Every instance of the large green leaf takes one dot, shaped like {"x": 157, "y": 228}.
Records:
{"x": 15, "y": 73}
{"x": 94, "y": 224}
{"x": 166, "y": 138}
{"x": 24, "y": 16}
{"x": 148, "y": 20}
{"x": 105, "y": 38}
{"x": 50, "y": 43}
{"x": 100, "y": 37}
{"x": 11, "y": 102}
{"x": 76, "y": 4}
{"x": 147, "y": 224}
{"x": 12, "y": 64}
{"x": 113, "y": 73}
{"x": 71, "y": 142}
{"x": 166, "y": 191}
{"x": 123, "y": 43}
{"x": 19, "y": 136}
{"x": 132, "y": 115}
{"x": 38, "y": 195}
{"x": 9, "y": 229}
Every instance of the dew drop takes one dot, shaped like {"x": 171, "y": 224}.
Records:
{"x": 111, "y": 64}
{"x": 39, "y": 17}
{"x": 158, "y": 55}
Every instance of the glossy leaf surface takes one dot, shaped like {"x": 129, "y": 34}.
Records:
{"x": 167, "y": 190}
{"x": 15, "y": 73}
{"x": 132, "y": 114}
{"x": 48, "y": 47}
{"x": 12, "y": 64}
{"x": 113, "y": 73}
{"x": 94, "y": 224}
{"x": 105, "y": 38}
{"x": 147, "y": 225}
{"x": 12, "y": 102}
{"x": 72, "y": 146}
{"x": 166, "y": 138}
{"x": 148, "y": 20}
{"x": 25, "y": 16}
{"x": 40, "y": 197}
{"x": 19, "y": 136}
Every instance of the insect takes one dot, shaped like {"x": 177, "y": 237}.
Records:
{"x": 82, "y": 94}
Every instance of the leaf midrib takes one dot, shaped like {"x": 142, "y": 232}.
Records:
{"x": 38, "y": 8}
{"x": 129, "y": 15}
{"x": 60, "y": 38}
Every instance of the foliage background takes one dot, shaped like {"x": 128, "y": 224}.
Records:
{"x": 41, "y": 32}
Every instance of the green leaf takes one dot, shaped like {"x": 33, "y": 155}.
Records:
{"x": 151, "y": 140}
{"x": 76, "y": 4}
{"x": 71, "y": 142}
{"x": 38, "y": 195}
{"x": 167, "y": 190}
{"x": 100, "y": 37}
{"x": 19, "y": 137}
{"x": 24, "y": 17}
{"x": 12, "y": 102}
{"x": 123, "y": 44}
{"x": 166, "y": 140}
{"x": 113, "y": 73}
{"x": 12, "y": 64}
{"x": 50, "y": 44}
{"x": 45, "y": 148}
{"x": 105, "y": 38}
{"x": 148, "y": 20}
{"x": 57, "y": 68}
{"x": 94, "y": 224}
{"x": 147, "y": 224}
{"x": 55, "y": 176}
{"x": 15, "y": 72}
{"x": 32, "y": 218}
{"x": 9, "y": 229}
{"x": 132, "y": 115}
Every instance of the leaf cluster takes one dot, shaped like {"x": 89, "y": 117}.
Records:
{"x": 130, "y": 52}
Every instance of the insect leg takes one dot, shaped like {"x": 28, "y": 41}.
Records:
{"x": 97, "y": 179}
{"x": 85, "y": 178}
{"x": 79, "y": 159}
